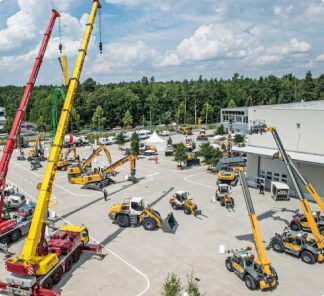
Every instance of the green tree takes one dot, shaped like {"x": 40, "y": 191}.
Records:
{"x": 192, "y": 288}
{"x": 209, "y": 110}
{"x": 128, "y": 119}
{"x": 41, "y": 124}
{"x": 210, "y": 155}
{"x": 172, "y": 286}
{"x": 231, "y": 104}
{"x": 135, "y": 143}
{"x": 120, "y": 140}
{"x": 220, "y": 130}
{"x": 98, "y": 118}
{"x": 169, "y": 141}
{"x": 238, "y": 139}
{"x": 180, "y": 154}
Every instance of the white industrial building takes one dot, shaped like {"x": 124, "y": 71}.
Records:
{"x": 300, "y": 128}
{"x": 240, "y": 119}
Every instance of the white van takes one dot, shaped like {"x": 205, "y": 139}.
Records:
{"x": 165, "y": 133}
{"x": 104, "y": 141}
{"x": 112, "y": 140}
{"x": 147, "y": 132}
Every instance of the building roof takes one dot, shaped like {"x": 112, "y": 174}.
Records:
{"x": 299, "y": 157}
{"x": 310, "y": 105}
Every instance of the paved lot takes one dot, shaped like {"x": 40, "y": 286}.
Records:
{"x": 137, "y": 261}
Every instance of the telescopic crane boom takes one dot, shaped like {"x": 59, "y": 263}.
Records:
{"x": 291, "y": 167}
{"x": 34, "y": 262}
{"x": 11, "y": 142}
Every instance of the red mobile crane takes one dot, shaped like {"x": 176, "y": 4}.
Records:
{"x": 9, "y": 230}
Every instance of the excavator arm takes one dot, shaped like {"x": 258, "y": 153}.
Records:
{"x": 28, "y": 259}
{"x": 120, "y": 162}
{"x": 94, "y": 154}
{"x": 291, "y": 168}
{"x": 69, "y": 151}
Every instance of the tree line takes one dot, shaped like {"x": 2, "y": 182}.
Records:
{"x": 146, "y": 101}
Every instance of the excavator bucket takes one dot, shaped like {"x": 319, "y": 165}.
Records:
{"x": 92, "y": 186}
{"x": 169, "y": 224}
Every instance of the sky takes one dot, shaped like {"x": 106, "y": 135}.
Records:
{"x": 170, "y": 40}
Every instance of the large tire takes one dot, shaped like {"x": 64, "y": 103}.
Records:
{"x": 14, "y": 236}
{"x": 76, "y": 255}
{"x": 217, "y": 197}
{"x": 57, "y": 275}
{"x": 277, "y": 246}
{"x": 149, "y": 224}
{"x": 229, "y": 265}
{"x": 187, "y": 211}
{"x": 174, "y": 206}
{"x": 295, "y": 226}
{"x": 5, "y": 240}
{"x": 308, "y": 257}
{"x": 232, "y": 199}
{"x": 68, "y": 263}
{"x": 48, "y": 283}
{"x": 249, "y": 282}
{"x": 123, "y": 221}
{"x": 222, "y": 202}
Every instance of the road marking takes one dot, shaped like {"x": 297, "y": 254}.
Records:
{"x": 110, "y": 251}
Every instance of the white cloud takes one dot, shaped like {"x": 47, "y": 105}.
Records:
{"x": 320, "y": 58}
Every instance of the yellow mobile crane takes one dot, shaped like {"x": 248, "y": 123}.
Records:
{"x": 63, "y": 162}
{"x": 96, "y": 179}
{"x": 254, "y": 271}
{"x": 41, "y": 263}
{"x": 308, "y": 217}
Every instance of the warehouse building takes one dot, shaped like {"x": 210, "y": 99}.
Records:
{"x": 240, "y": 119}
{"x": 300, "y": 128}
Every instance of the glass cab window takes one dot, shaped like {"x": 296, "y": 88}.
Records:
{"x": 137, "y": 206}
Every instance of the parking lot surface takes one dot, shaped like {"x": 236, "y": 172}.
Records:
{"x": 136, "y": 261}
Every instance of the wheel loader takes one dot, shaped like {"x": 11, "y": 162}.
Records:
{"x": 135, "y": 211}
{"x": 222, "y": 195}
{"x": 180, "y": 200}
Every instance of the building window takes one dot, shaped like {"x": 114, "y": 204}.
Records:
{"x": 245, "y": 119}
{"x": 225, "y": 118}
{"x": 238, "y": 119}
{"x": 276, "y": 179}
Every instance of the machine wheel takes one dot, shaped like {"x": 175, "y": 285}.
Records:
{"x": 123, "y": 221}
{"x": 294, "y": 226}
{"x": 64, "y": 168}
{"x": 149, "y": 223}
{"x": 249, "y": 282}
{"x": 217, "y": 197}
{"x": 56, "y": 277}
{"x": 232, "y": 199}
{"x": 229, "y": 265}
{"x": 186, "y": 210}
{"x": 222, "y": 202}
{"x": 277, "y": 246}
{"x": 174, "y": 206}
{"x": 68, "y": 264}
{"x": 308, "y": 257}
{"x": 48, "y": 283}
{"x": 5, "y": 240}
{"x": 76, "y": 255}
{"x": 15, "y": 236}
{"x": 321, "y": 230}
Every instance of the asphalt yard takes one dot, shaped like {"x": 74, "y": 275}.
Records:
{"x": 136, "y": 261}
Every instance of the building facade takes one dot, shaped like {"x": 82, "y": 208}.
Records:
{"x": 240, "y": 122}
{"x": 299, "y": 128}
{"x": 2, "y": 117}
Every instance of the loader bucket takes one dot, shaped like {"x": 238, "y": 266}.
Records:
{"x": 92, "y": 186}
{"x": 169, "y": 224}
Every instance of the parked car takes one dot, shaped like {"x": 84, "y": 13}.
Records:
{"x": 127, "y": 127}
{"x": 139, "y": 126}
{"x": 151, "y": 126}
{"x": 116, "y": 128}
{"x": 160, "y": 125}
{"x": 5, "y": 137}
{"x": 85, "y": 131}
{"x": 165, "y": 133}
{"x": 205, "y": 127}
{"x": 108, "y": 128}
{"x": 74, "y": 132}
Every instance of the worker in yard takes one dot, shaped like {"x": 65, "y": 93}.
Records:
{"x": 156, "y": 160}
{"x": 105, "y": 194}
{"x": 261, "y": 189}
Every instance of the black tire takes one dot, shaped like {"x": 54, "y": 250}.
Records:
{"x": 174, "y": 206}
{"x": 57, "y": 275}
{"x": 277, "y": 246}
{"x": 48, "y": 283}
{"x": 249, "y": 282}
{"x": 149, "y": 223}
{"x": 222, "y": 202}
{"x": 295, "y": 226}
{"x": 308, "y": 257}
{"x": 5, "y": 240}
{"x": 229, "y": 265}
{"x": 14, "y": 236}
{"x": 123, "y": 221}
{"x": 64, "y": 168}
{"x": 321, "y": 230}
{"x": 76, "y": 255}
{"x": 187, "y": 211}
{"x": 68, "y": 263}
{"x": 232, "y": 199}
{"x": 217, "y": 197}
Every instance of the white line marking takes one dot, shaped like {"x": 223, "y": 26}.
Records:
{"x": 113, "y": 253}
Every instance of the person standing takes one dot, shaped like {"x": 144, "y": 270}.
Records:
{"x": 261, "y": 189}
{"x": 156, "y": 160}
{"x": 105, "y": 194}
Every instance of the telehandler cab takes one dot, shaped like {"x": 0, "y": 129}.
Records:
{"x": 222, "y": 195}
{"x": 137, "y": 211}
{"x": 180, "y": 200}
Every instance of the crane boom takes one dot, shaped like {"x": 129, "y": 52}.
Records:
{"x": 11, "y": 142}
{"x": 49, "y": 176}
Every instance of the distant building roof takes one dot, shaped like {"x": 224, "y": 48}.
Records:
{"x": 310, "y": 105}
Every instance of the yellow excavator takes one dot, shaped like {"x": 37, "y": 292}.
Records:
{"x": 254, "y": 271}
{"x": 227, "y": 169}
{"x": 98, "y": 179}
{"x": 137, "y": 211}
{"x": 63, "y": 162}
{"x": 76, "y": 170}
{"x": 38, "y": 150}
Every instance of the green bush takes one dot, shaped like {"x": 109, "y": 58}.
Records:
{"x": 172, "y": 286}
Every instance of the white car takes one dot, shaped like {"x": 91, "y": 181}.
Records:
{"x": 160, "y": 125}
{"x": 165, "y": 133}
